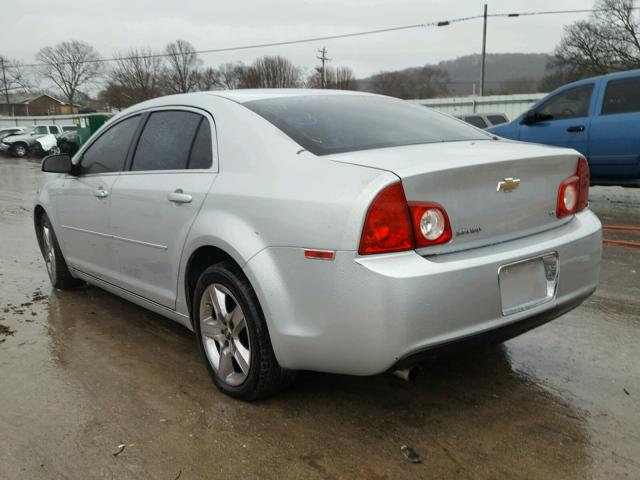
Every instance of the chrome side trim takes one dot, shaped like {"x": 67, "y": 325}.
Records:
{"x": 140, "y": 242}
{"x": 75, "y": 229}
{"x": 115, "y": 237}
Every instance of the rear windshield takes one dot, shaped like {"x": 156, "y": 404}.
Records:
{"x": 325, "y": 124}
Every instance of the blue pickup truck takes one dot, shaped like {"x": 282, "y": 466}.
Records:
{"x": 599, "y": 117}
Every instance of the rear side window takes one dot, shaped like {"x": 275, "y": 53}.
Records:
{"x": 54, "y": 130}
{"x": 622, "y": 96}
{"x": 497, "y": 119}
{"x": 201, "y": 152}
{"x": 326, "y": 124}
{"x": 166, "y": 141}
{"x": 109, "y": 152}
{"x": 572, "y": 103}
{"x": 476, "y": 121}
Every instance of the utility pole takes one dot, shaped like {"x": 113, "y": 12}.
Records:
{"x": 4, "y": 83}
{"x": 484, "y": 50}
{"x": 323, "y": 58}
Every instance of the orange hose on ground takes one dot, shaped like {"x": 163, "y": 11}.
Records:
{"x": 622, "y": 242}
{"x": 627, "y": 228}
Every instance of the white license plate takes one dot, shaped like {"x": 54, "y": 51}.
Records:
{"x": 528, "y": 283}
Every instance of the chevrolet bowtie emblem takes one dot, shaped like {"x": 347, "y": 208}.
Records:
{"x": 508, "y": 185}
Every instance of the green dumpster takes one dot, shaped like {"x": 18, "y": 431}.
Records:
{"x": 88, "y": 125}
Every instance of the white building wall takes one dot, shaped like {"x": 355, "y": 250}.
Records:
{"x": 511, "y": 105}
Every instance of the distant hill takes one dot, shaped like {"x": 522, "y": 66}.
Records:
{"x": 503, "y": 72}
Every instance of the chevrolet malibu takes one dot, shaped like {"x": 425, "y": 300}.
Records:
{"x": 320, "y": 230}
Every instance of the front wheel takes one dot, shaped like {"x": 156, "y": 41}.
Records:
{"x": 19, "y": 150}
{"x": 233, "y": 337}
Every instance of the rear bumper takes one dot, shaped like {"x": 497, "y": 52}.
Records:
{"x": 364, "y": 315}
{"x": 497, "y": 335}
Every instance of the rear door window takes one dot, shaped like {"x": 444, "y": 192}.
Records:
{"x": 54, "y": 130}
{"x": 166, "y": 141}
{"x": 572, "y": 103}
{"x": 109, "y": 152}
{"x": 201, "y": 153}
{"x": 476, "y": 121}
{"x": 622, "y": 96}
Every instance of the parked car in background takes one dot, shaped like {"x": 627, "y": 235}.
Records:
{"x": 26, "y": 142}
{"x": 484, "y": 120}
{"x": 320, "y": 230}
{"x": 69, "y": 142}
{"x": 599, "y": 117}
{"x": 8, "y": 131}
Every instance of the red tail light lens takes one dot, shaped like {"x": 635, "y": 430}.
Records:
{"x": 387, "y": 227}
{"x": 573, "y": 194}
{"x": 430, "y": 224}
{"x": 393, "y": 225}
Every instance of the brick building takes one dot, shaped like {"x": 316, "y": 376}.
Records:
{"x": 35, "y": 105}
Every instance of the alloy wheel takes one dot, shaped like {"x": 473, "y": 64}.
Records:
{"x": 225, "y": 335}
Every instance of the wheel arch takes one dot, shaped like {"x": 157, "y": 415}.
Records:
{"x": 199, "y": 260}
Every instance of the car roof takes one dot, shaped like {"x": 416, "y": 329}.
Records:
{"x": 247, "y": 95}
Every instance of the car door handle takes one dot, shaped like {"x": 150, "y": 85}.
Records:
{"x": 576, "y": 128}
{"x": 100, "y": 193}
{"x": 179, "y": 197}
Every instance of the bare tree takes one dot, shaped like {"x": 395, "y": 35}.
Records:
{"x": 70, "y": 65}
{"x": 136, "y": 75}
{"x": 341, "y": 78}
{"x": 608, "y": 41}
{"x": 420, "y": 82}
{"x": 208, "y": 79}
{"x": 271, "y": 72}
{"x": 182, "y": 69}
{"x": 230, "y": 75}
{"x": 345, "y": 79}
{"x": 14, "y": 78}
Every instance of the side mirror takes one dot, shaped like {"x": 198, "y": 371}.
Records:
{"x": 59, "y": 163}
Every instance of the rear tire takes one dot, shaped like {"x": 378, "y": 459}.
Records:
{"x": 56, "y": 266}
{"x": 235, "y": 344}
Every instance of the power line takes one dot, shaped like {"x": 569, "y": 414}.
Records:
{"x": 441, "y": 23}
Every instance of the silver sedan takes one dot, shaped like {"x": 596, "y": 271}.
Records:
{"x": 320, "y": 230}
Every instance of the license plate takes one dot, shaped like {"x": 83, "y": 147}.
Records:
{"x": 528, "y": 283}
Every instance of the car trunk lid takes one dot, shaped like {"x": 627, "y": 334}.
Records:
{"x": 493, "y": 191}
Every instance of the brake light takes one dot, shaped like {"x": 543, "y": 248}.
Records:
{"x": 387, "y": 226}
{"x": 393, "y": 225}
{"x": 573, "y": 194}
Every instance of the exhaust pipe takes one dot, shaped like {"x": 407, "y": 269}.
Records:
{"x": 407, "y": 374}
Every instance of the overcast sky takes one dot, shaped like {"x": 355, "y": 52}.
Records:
{"x": 116, "y": 25}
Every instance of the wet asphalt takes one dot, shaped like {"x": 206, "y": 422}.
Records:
{"x": 84, "y": 372}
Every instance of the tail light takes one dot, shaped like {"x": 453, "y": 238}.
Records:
{"x": 393, "y": 225}
{"x": 573, "y": 194}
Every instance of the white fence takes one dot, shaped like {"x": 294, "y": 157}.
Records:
{"x": 511, "y": 105}
{"x": 44, "y": 120}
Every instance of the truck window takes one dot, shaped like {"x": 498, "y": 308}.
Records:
{"x": 622, "y": 96}
{"x": 572, "y": 103}
{"x": 476, "y": 121}
{"x": 54, "y": 130}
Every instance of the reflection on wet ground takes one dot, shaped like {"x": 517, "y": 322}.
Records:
{"x": 84, "y": 372}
